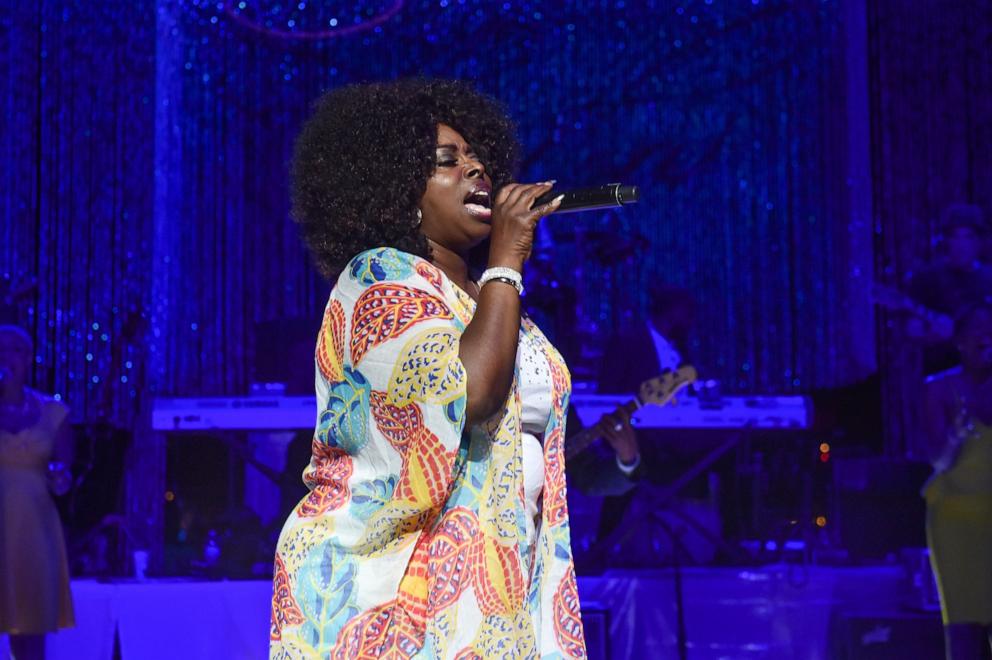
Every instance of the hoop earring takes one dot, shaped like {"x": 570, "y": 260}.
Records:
{"x": 420, "y": 218}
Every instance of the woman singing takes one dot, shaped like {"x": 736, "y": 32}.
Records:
{"x": 436, "y": 523}
{"x": 959, "y": 496}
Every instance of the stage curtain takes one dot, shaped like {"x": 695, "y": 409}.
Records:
{"x": 930, "y": 76}
{"x": 76, "y": 198}
{"x": 145, "y": 176}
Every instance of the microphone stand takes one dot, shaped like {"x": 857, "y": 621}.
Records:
{"x": 681, "y": 637}
{"x": 616, "y": 537}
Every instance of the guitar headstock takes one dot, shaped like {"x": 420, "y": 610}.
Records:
{"x": 891, "y": 298}
{"x": 662, "y": 389}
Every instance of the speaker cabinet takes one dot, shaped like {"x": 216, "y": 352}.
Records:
{"x": 596, "y": 624}
{"x": 887, "y": 636}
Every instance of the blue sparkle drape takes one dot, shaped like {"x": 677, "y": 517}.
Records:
{"x": 146, "y": 174}
{"x": 76, "y": 202}
{"x": 931, "y": 78}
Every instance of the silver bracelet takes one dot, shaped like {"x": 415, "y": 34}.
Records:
{"x": 628, "y": 469}
{"x": 503, "y": 274}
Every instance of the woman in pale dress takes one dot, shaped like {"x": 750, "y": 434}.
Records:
{"x": 35, "y": 452}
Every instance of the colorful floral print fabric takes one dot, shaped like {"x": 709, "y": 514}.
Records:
{"x": 412, "y": 542}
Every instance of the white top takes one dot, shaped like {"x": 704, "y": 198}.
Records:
{"x": 535, "y": 398}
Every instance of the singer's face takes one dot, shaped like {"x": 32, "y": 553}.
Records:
{"x": 457, "y": 204}
{"x": 15, "y": 357}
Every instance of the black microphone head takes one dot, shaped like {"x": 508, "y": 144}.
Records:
{"x": 585, "y": 199}
{"x": 628, "y": 194}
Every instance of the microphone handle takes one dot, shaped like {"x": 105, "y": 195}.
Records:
{"x": 585, "y": 199}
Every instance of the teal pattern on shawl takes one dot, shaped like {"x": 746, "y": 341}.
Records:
{"x": 326, "y": 594}
{"x": 344, "y": 423}
{"x": 380, "y": 265}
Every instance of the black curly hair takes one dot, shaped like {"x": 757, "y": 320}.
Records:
{"x": 362, "y": 161}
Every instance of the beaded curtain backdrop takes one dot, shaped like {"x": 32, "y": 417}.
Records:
{"x": 145, "y": 171}
{"x": 931, "y": 108}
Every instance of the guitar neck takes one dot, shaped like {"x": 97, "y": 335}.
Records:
{"x": 577, "y": 443}
{"x": 268, "y": 472}
{"x": 893, "y": 299}
{"x": 919, "y": 310}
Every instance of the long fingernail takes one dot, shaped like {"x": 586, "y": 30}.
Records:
{"x": 557, "y": 200}
{"x": 551, "y": 182}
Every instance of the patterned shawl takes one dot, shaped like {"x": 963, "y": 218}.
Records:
{"x": 412, "y": 541}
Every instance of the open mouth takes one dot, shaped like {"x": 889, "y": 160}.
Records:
{"x": 479, "y": 203}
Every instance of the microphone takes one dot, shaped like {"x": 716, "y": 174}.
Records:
{"x": 585, "y": 199}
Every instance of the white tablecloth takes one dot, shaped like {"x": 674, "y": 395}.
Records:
{"x": 768, "y": 612}
{"x": 167, "y": 620}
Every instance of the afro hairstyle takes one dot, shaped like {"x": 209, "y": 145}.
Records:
{"x": 362, "y": 160}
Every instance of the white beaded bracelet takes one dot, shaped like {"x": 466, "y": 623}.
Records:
{"x": 503, "y": 274}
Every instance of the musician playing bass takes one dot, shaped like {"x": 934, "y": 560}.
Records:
{"x": 640, "y": 352}
{"x": 955, "y": 281}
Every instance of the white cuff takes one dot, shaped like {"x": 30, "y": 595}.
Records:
{"x": 628, "y": 469}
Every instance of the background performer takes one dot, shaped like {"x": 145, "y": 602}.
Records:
{"x": 959, "y": 496}
{"x": 35, "y": 455}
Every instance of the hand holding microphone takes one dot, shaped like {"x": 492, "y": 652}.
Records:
{"x": 586, "y": 199}
{"x": 516, "y": 212}
{"x": 518, "y": 207}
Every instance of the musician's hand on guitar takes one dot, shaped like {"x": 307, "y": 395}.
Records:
{"x": 924, "y": 324}
{"x": 620, "y": 434}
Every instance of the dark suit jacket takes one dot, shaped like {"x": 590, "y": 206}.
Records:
{"x": 595, "y": 471}
{"x": 629, "y": 359}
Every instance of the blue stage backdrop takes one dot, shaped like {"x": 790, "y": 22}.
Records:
{"x": 931, "y": 107}
{"x": 145, "y": 173}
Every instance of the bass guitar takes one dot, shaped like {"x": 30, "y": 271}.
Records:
{"x": 656, "y": 391}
